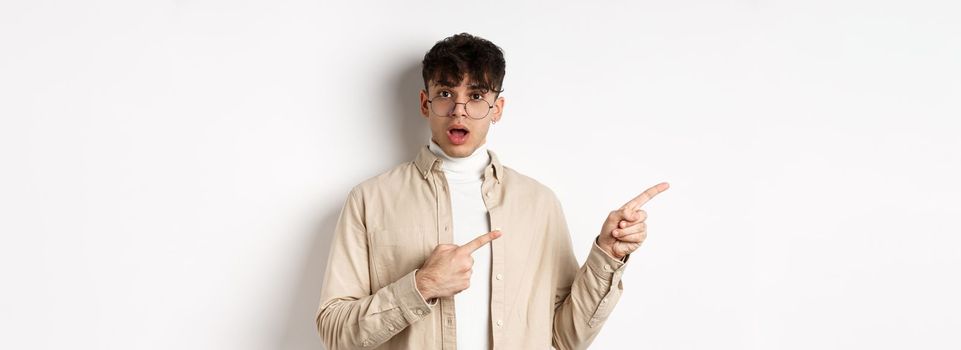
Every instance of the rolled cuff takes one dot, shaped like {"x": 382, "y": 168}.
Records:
{"x": 411, "y": 302}
{"x": 604, "y": 265}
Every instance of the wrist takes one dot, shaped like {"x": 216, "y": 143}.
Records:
{"x": 422, "y": 284}
{"x": 607, "y": 248}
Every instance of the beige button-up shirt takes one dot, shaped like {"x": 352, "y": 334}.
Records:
{"x": 390, "y": 224}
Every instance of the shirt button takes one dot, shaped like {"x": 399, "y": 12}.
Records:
{"x": 604, "y": 301}
{"x": 366, "y": 343}
{"x": 488, "y": 194}
{"x": 390, "y": 328}
{"x": 499, "y": 277}
{"x": 445, "y": 228}
{"x": 607, "y": 267}
{"x": 500, "y": 323}
{"x": 419, "y": 312}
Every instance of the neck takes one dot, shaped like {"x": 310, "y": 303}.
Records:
{"x": 470, "y": 167}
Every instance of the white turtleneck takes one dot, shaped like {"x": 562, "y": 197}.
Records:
{"x": 472, "y": 306}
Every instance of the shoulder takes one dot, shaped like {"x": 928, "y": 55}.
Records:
{"x": 400, "y": 176}
{"x": 533, "y": 190}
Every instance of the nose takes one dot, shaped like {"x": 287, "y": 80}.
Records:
{"x": 459, "y": 111}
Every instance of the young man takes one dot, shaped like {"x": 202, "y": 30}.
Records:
{"x": 410, "y": 266}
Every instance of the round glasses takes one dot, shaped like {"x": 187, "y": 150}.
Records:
{"x": 444, "y": 106}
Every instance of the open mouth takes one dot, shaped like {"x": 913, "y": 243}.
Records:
{"x": 458, "y": 132}
{"x": 457, "y": 135}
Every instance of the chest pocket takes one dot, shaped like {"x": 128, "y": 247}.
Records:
{"x": 396, "y": 252}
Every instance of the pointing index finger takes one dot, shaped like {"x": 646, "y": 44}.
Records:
{"x": 647, "y": 195}
{"x": 480, "y": 241}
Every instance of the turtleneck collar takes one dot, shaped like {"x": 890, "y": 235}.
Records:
{"x": 466, "y": 168}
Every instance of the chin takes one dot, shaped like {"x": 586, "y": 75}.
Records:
{"x": 459, "y": 151}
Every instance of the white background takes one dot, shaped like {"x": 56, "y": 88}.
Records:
{"x": 171, "y": 171}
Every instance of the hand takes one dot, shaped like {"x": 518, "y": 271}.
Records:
{"x": 448, "y": 268}
{"x": 625, "y": 230}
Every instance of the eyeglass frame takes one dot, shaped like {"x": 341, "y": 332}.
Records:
{"x": 490, "y": 106}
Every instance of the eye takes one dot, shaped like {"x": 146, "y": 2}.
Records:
{"x": 476, "y": 96}
{"x": 444, "y": 93}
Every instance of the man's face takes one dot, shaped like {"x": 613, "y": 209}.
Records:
{"x": 445, "y": 129}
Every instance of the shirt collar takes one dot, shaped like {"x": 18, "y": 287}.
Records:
{"x": 425, "y": 160}
{"x": 467, "y": 168}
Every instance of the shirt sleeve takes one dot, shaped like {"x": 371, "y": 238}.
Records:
{"x": 583, "y": 296}
{"x": 350, "y": 314}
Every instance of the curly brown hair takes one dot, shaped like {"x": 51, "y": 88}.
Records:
{"x": 463, "y": 54}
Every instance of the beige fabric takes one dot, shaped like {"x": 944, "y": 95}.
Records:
{"x": 390, "y": 223}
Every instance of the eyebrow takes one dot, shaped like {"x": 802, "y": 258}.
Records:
{"x": 469, "y": 87}
{"x": 478, "y": 86}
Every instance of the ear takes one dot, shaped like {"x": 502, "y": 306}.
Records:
{"x": 424, "y": 108}
{"x": 498, "y": 109}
